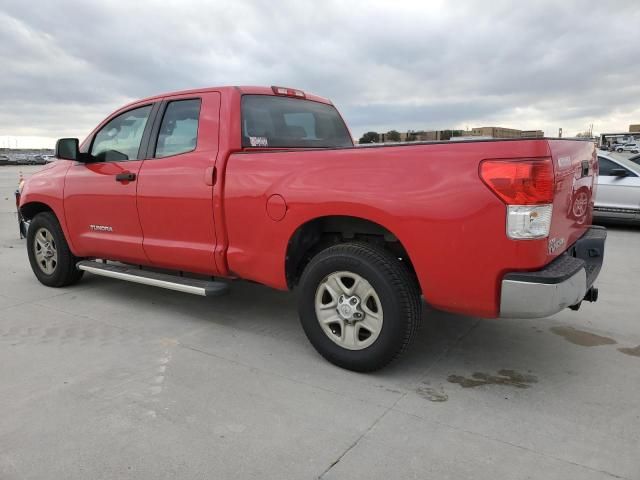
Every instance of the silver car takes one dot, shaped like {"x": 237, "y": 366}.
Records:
{"x": 618, "y": 193}
{"x": 628, "y": 147}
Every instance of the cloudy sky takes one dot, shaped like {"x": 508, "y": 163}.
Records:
{"x": 405, "y": 65}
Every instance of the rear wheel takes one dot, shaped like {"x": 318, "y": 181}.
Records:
{"x": 359, "y": 306}
{"x": 51, "y": 260}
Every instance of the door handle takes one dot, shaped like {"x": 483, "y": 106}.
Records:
{"x": 210, "y": 176}
{"x": 125, "y": 177}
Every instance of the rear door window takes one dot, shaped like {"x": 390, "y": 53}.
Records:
{"x": 179, "y": 129}
{"x": 283, "y": 122}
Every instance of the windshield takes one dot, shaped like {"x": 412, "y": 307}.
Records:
{"x": 283, "y": 122}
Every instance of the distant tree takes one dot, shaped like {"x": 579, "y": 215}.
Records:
{"x": 583, "y": 134}
{"x": 370, "y": 137}
{"x": 393, "y": 136}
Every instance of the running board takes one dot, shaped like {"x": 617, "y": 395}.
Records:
{"x": 205, "y": 288}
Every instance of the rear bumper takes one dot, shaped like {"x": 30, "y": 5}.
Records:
{"x": 562, "y": 283}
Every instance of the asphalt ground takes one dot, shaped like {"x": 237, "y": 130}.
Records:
{"x": 108, "y": 379}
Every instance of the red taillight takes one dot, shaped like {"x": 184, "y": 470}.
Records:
{"x": 520, "y": 182}
{"x": 288, "y": 92}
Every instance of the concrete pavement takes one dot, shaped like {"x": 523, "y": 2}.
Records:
{"x": 113, "y": 380}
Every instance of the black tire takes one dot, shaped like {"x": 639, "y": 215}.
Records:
{"x": 396, "y": 288}
{"x": 64, "y": 272}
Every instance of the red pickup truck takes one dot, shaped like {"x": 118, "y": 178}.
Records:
{"x": 265, "y": 184}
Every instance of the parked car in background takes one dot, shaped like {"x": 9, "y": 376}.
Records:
{"x": 5, "y": 160}
{"x": 628, "y": 147}
{"x": 35, "y": 159}
{"x": 618, "y": 192}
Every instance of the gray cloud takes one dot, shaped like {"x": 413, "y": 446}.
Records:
{"x": 386, "y": 65}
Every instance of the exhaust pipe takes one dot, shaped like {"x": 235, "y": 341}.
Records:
{"x": 590, "y": 296}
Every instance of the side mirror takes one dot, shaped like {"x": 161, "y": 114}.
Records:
{"x": 618, "y": 172}
{"x": 68, "y": 149}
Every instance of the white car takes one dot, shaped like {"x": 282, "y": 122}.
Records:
{"x": 618, "y": 192}
{"x": 628, "y": 147}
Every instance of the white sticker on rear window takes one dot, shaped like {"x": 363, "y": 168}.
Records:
{"x": 258, "y": 141}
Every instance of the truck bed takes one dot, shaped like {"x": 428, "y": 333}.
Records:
{"x": 428, "y": 194}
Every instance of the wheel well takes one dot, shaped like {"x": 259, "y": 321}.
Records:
{"x": 30, "y": 210}
{"x": 320, "y": 233}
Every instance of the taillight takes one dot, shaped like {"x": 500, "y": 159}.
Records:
{"x": 288, "y": 92}
{"x": 528, "y": 221}
{"x": 519, "y": 182}
{"x": 526, "y": 187}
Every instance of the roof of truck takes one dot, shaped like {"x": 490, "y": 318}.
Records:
{"x": 243, "y": 90}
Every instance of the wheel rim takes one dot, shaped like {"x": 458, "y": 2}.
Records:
{"x": 349, "y": 310}
{"x": 46, "y": 253}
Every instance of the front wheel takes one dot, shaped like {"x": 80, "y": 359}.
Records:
{"x": 359, "y": 306}
{"x": 51, "y": 260}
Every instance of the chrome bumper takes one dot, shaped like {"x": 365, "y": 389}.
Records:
{"x": 537, "y": 300}
{"x": 561, "y": 284}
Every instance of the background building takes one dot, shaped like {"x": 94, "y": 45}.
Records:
{"x": 478, "y": 133}
{"x": 429, "y": 135}
{"x": 495, "y": 132}
{"x": 502, "y": 132}
{"x": 633, "y": 135}
{"x": 531, "y": 134}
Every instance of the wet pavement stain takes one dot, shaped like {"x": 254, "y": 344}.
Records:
{"x": 582, "y": 338}
{"x": 634, "y": 352}
{"x": 432, "y": 394}
{"x": 504, "y": 377}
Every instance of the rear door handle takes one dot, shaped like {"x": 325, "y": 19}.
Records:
{"x": 125, "y": 177}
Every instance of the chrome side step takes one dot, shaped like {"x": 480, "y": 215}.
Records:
{"x": 205, "y": 288}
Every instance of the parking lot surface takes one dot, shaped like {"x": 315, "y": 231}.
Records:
{"x": 108, "y": 379}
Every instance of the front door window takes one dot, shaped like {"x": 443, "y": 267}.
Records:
{"x": 119, "y": 140}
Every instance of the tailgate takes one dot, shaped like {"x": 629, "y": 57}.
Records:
{"x": 575, "y": 170}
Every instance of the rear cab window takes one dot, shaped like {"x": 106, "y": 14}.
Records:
{"x": 283, "y": 122}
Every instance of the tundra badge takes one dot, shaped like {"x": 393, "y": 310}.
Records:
{"x": 555, "y": 243}
{"x": 101, "y": 228}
